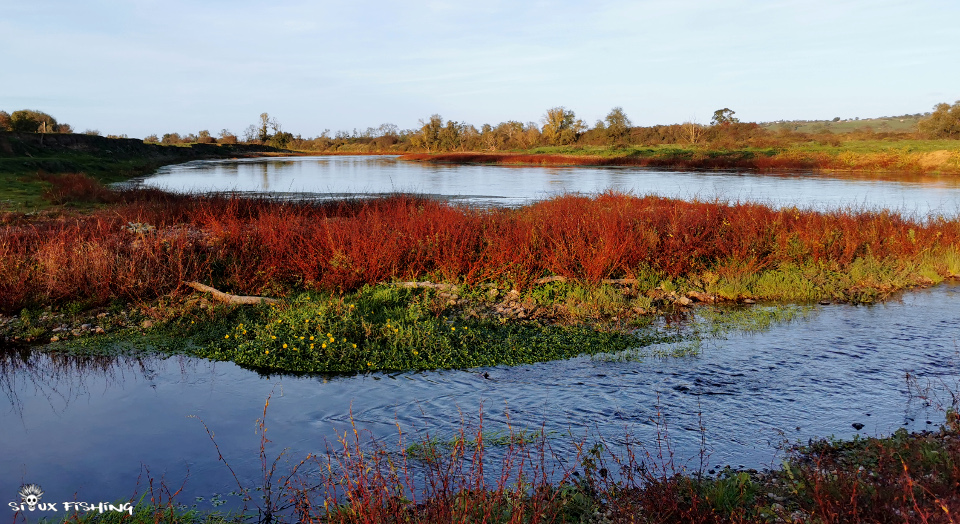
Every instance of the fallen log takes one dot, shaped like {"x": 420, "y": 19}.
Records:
{"x": 547, "y": 280}
{"x": 227, "y": 298}
{"x": 616, "y": 281}
{"x": 426, "y": 285}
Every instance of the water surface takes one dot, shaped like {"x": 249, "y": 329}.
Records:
{"x": 89, "y": 426}
{"x": 340, "y": 176}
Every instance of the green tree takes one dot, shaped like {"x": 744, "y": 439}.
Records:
{"x": 170, "y": 139}
{"x": 30, "y": 121}
{"x": 23, "y": 122}
{"x": 428, "y": 137}
{"x": 944, "y": 122}
{"x": 451, "y": 136}
{"x": 618, "y": 126}
{"x": 724, "y": 116}
{"x": 561, "y": 126}
{"x": 204, "y": 137}
{"x": 262, "y": 130}
{"x": 226, "y": 137}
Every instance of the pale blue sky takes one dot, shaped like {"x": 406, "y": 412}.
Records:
{"x": 141, "y": 67}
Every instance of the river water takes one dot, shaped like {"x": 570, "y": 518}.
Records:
{"x": 90, "y": 428}
{"x": 340, "y": 176}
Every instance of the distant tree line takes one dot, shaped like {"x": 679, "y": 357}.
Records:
{"x": 558, "y": 126}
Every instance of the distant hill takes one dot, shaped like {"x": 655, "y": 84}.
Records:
{"x": 902, "y": 124}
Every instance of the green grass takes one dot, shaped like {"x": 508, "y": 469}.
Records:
{"x": 20, "y": 187}
{"x": 881, "y": 124}
{"x": 384, "y": 328}
{"x": 880, "y": 146}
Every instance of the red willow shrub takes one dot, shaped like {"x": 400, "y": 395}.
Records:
{"x": 148, "y": 243}
{"x": 75, "y": 187}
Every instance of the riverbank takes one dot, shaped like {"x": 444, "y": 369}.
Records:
{"x": 908, "y": 156}
{"x": 906, "y": 476}
{"x": 28, "y": 162}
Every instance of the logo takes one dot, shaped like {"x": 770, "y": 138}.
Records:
{"x": 30, "y": 501}
{"x": 30, "y": 495}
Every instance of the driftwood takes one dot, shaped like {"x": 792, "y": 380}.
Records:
{"x": 620, "y": 281}
{"x": 537, "y": 282}
{"x": 547, "y": 280}
{"x": 227, "y": 298}
{"x": 426, "y": 285}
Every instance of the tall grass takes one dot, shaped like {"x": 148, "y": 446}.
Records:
{"x": 149, "y": 242}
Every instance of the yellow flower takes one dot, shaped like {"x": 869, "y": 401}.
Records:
{"x": 284, "y": 346}
{"x": 226, "y": 336}
{"x": 301, "y": 338}
{"x": 369, "y": 363}
{"x": 311, "y": 337}
{"x": 354, "y": 346}
{"x": 311, "y": 346}
{"x": 268, "y": 351}
{"x": 323, "y": 345}
{"x": 274, "y": 337}
{"x": 453, "y": 329}
{"x": 415, "y": 352}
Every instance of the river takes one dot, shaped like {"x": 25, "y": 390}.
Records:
{"x": 92, "y": 428}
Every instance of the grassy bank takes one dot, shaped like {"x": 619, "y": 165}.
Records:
{"x": 907, "y": 156}
{"x": 28, "y": 159}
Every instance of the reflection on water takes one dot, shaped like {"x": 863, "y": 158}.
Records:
{"x": 85, "y": 425}
{"x": 340, "y": 176}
